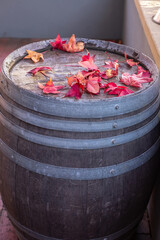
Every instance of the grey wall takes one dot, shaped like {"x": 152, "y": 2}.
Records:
{"x": 133, "y": 34}
{"x": 46, "y": 18}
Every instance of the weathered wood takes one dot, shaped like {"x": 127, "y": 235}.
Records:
{"x": 76, "y": 169}
{"x": 147, "y": 9}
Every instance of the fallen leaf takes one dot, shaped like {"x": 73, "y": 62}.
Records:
{"x": 88, "y": 62}
{"x": 34, "y": 56}
{"x": 74, "y": 91}
{"x": 73, "y": 46}
{"x": 143, "y": 72}
{"x": 109, "y": 73}
{"x": 93, "y": 85}
{"x": 49, "y": 87}
{"x": 110, "y": 86}
{"x": 130, "y": 62}
{"x": 113, "y": 89}
{"x": 58, "y": 44}
{"x": 111, "y": 64}
{"x": 134, "y": 80}
{"x": 39, "y": 69}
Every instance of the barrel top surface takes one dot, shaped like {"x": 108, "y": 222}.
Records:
{"x": 64, "y": 64}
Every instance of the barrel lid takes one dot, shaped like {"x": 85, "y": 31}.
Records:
{"x": 23, "y": 88}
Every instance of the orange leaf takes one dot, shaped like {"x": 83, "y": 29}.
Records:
{"x": 73, "y": 46}
{"x": 72, "y": 79}
{"x": 34, "y": 56}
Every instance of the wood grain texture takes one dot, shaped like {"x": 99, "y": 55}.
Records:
{"x": 68, "y": 208}
{"x": 147, "y": 9}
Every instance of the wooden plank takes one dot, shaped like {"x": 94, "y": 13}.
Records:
{"x": 147, "y": 9}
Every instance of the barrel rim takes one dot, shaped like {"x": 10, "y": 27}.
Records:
{"x": 111, "y": 47}
{"x": 82, "y": 108}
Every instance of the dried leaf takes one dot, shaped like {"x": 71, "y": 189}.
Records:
{"x": 130, "y": 62}
{"x": 109, "y": 73}
{"x": 50, "y": 88}
{"x": 39, "y": 69}
{"x": 88, "y": 62}
{"x": 93, "y": 85}
{"x": 143, "y": 72}
{"x": 34, "y": 56}
{"x": 74, "y": 91}
{"x": 111, "y": 64}
{"x": 58, "y": 44}
{"x": 134, "y": 80}
{"x": 73, "y": 46}
{"x": 77, "y": 78}
{"x": 110, "y": 86}
{"x": 113, "y": 89}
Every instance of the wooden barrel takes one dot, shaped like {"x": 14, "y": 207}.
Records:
{"x": 76, "y": 169}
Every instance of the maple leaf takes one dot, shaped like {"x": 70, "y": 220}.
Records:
{"x": 93, "y": 85}
{"x": 109, "y": 73}
{"x": 58, "y": 44}
{"x": 88, "y": 62}
{"x": 110, "y": 86}
{"x": 34, "y": 56}
{"x": 111, "y": 64}
{"x": 49, "y": 87}
{"x": 39, "y": 69}
{"x": 77, "y": 78}
{"x": 143, "y": 72}
{"x": 130, "y": 62}
{"x": 113, "y": 89}
{"x": 74, "y": 91}
{"x": 73, "y": 46}
{"x": 134, "y": 80}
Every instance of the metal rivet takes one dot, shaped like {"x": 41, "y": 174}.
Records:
{"x": 116, "y": 106}
{"x": 112, "y": 171}
{"x": 114, "y": 125}
{"x": 113, "y": 141}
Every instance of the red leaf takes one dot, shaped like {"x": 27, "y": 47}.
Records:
{"x": 143, "y": 72}
{"x": 110, "y": 86}
{"x": 113, "y": 89}
{"x": 75, "y": 91}
{"x": 39, "y": 69}
{"x": 111, "y": 64}
{"x": 77, "y": 78}
{"x": 72, "y": 46}
{"x": 50, "y": 88}
{"x": 93, "y": 85}
{"x": 130, "y": 62}
{"x": 88, "y": 62}
{"x": 134, "y": 80}
{"x": 58, "y": 44}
